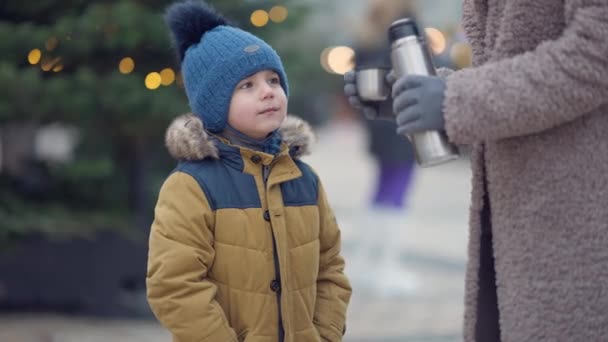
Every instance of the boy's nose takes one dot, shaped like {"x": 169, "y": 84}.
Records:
{"x": 267, "y": 91}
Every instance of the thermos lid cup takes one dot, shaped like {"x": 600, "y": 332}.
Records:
{"x": 371, "y": 84}
{"x": 403, "y": 28}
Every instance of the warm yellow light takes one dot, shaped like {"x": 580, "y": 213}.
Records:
{"x": 323, "y": 59}
{"x": 51, "y": 43}
{"x": 34, "y": 56}
{"x": 167, "y": 76}
{"x": 126, "y": 65}
{"x": 340, "y": 59}
{"x": 461, "y": 54}
{"x": 259, "y": 18}
{"x": 278, "y": 14}
{"x": 47, "y": 64}
{"x": 153, "y": 80}
{"x": 437, "y": 40}
{"x": 58, "y": 67}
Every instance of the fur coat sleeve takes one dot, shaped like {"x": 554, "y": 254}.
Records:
{"x": 559, "y": 81}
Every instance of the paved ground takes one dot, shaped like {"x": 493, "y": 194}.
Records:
{"x": 406, "y": 288}
{"x": 410, "y": 289}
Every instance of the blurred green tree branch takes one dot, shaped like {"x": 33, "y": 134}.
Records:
{"x": 119, "y": 161}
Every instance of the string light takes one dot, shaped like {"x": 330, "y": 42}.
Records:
{"x": 278, "y": 14}
{"x": 126, "y": 65}
{"x": 48, "y": 63}
{"x": 34, "y": 56}
{"x": 152, "y": 80}
{"x": 167, "y": 76}
{"x": 259, "y": 18}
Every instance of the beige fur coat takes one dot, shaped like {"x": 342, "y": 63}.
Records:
{"x": 535, "y": 109}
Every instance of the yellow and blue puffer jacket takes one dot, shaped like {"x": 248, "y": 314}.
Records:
{"x": 236, "y": 257}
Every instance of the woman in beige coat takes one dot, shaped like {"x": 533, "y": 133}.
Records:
{"x": 535, "y": 109}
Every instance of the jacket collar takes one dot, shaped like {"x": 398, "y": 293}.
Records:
{"x": 186, "y": 139}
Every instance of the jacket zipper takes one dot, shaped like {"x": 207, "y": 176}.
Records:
{"x": 275, "y": 255}
{"x": 278, "y": 279}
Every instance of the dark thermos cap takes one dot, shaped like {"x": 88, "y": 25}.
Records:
{"x": 403, "y": 28}
{"x": 375, "y": 58}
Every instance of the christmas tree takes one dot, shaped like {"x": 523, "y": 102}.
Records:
{"x": 103, "y": 74}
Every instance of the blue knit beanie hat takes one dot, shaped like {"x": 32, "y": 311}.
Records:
{"x": 214, "y": 58}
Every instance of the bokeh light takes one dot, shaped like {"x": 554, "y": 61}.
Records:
{"x": 126, "y": 65}
{"x": 278, "y": 14}
{"x": 34, "y": 56}
{"x": 48, "y": 63}
{"x": 436, "y": 39}
{"x": 153, "y": 80}
{"x": 324, "y": 62}
{"x": 461, "y": 54}
{"x": 167, "y": 76}
{"x": 259, "y": 18}
{"x": 338, "y": 59}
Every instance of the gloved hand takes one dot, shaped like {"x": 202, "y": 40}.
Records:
{"x": 371, "y": 110}
{"x": 418, "y": 103}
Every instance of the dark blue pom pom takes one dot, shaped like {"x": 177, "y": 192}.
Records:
{"x": 188, "y": 21}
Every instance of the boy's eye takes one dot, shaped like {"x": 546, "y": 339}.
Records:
{"x": 246, "y": 85}
{"x": 275, "y": 80}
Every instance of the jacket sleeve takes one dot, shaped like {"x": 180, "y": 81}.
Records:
{"x": 333, "y": 288}
{"x": 180, "y": 254}
{"x": 559, "y": 81}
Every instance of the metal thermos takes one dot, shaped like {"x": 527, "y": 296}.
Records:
{"x": 410, "y": 56}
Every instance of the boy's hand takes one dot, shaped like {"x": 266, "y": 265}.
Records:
{"x": 371, "y": 110}
{"x": 418, "y": 103}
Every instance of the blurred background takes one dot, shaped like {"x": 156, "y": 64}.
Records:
{"x": 87, "y": 89}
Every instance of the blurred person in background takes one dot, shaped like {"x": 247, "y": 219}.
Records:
{"x": 534, "y": 107}
{"x": 393, "y": 154}
{"x": 395, "y": 164}
{"x": 244, "y": 245}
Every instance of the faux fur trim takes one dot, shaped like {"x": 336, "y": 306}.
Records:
{"x": 186, "y": 138}
{"x": 298, "y": 136}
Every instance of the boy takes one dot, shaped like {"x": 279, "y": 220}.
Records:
{"x": 244, "y": 245}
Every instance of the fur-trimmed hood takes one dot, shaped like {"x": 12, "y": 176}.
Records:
{"x": 186, "y": 138}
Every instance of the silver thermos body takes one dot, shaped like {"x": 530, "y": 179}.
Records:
{"x": 410, "y": 56}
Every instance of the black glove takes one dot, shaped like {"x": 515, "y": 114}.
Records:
{"x": 371, "y": 110}
{"x": 418, "y": 103}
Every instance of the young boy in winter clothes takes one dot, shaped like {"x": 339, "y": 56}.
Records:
{"x": 244, "y": 245}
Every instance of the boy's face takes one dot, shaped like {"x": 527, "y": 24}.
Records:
{"x": 258, "y": 105}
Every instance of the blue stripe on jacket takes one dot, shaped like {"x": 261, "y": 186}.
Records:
{"x": 228, "y": 187}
